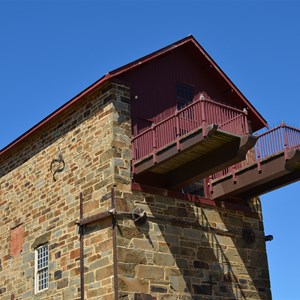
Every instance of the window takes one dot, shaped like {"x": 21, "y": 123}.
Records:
{"x": 195, "y": 189}
{"x": 41, "y": 268}
{"x": 185, "y": 94}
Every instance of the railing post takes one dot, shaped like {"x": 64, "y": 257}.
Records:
{"x": 203, "y": 115}
{"x": 285, "y": 140}
{"x": 210, "y": 187}
{"x": 177, "y": 130}
{"x": 134, "y": 149}
{"x": 233, "y": 172}
{"x": 153, "y": 143}
{"x": 258, "y": 159}
{"x": 245, "y": 111}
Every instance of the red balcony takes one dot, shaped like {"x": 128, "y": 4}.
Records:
{"x": 272, "y": 163}
{"x": 194, "y": 142}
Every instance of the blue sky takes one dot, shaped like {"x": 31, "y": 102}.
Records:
{"x": 51, "y": 50}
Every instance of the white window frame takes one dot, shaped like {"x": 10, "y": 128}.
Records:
{"x": 41, "y": 268}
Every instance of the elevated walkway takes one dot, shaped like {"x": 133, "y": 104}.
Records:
{"x": 201, "y": 138}
{"x": 273, "y": 162}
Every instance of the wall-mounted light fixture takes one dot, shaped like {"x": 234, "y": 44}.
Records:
{"x": 268, "y": 238}
{"x": 139, "y": 216}
{"x": 57, "y": 165}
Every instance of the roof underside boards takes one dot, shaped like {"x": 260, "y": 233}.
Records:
{"x": 196, "y": 158}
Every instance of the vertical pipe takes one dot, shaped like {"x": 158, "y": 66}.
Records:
{"x": 114, "y": 236}
{"x": 81, "y": 229}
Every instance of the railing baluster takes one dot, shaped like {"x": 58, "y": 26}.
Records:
{"x": 258, "y": 160}
{"x": 285, "y": 141}
{"x": 153, "y": 143}
{"x": 203, "y": 115}
{"x": 245, "y": 111}
{"x": 177, "y": 130}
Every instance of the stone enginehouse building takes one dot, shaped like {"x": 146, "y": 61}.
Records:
{"x": 144, "y": 186}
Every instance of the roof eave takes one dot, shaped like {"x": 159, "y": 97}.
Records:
{"x": 125, "y": 68}
{"x": 54, "y": 114}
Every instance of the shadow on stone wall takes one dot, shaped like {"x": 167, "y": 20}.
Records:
{"x": 196, "y": 253}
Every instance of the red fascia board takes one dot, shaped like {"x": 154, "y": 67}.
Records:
{"x": 109, "y": 75}
{"x": 231, "y": 84}
{"x": 125, "y": 68}
{"x": 183, "y": 41}
{"x": 54, "y": 114}
{"x": 151, "y": 56}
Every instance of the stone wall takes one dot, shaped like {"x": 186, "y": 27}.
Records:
{"x": 185, "y": 250}
{"x": 35, "y": 207}
{"x": 189, "y": 250}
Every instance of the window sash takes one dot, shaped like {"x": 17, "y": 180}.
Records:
{"x": 41, "y": 268}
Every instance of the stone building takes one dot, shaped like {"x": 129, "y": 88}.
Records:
{"x": 143, "y": 186}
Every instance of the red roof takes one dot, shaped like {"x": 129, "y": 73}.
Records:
{"x": 189, "y": 39}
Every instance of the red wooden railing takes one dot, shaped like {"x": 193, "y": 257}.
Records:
{"x": 194, "y": 116}
{"x": 270, "y": 143}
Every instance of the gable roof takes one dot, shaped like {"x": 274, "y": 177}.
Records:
{"x": 259, "y": 121}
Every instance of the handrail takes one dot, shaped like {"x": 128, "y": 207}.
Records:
{"x": 186, "y": 108}
{"x": 273, "y": 142}
{"x": 196, "y": 115}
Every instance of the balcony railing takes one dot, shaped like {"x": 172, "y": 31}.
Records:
{"x": 197, "y": 115}
{"x": 278, "y": 140}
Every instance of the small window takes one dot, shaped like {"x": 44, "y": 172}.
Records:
{"x": 185, "y": 94}
{"x": 41, "y": 268}
{"x": 195, "y": 189}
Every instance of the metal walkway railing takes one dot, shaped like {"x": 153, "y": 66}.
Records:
{"x": 276, "y": 141}
{"x": 197, "y": 115}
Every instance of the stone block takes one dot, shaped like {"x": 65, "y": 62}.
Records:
{"x": 130, "y": 232}
{"x": 129, "y": 255}
{"x": 174, "y": 230}
{"x": 133, "y": 284}
{"x": 139, "y": 296}
{"x": 206, "y": 254}
{"x": 203, "y": 289}
{"x": 62, "y": 283}
{"x": 104, "y": 272}
{"x": 58, "y": 274}
{"x": 161, "y": 289}
{"x": 163, "y": 259}
{"x": 182, "y": 251}
{"x": 178, "y": 284}
{"x": 99, "y": 263}
{"x": 154, "y": 273}
{"x": 70, "y": 293}
{"x": 201, "y": 265}
{"x": 126, "y": 269}
{"x": 143, "y": 244}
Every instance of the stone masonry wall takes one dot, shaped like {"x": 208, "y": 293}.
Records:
{"x": 188, "y": 250}
{"x": 34, "y": 208}
{"x": 185, "y": 250}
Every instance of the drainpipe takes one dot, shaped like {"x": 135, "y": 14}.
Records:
{"x": 85, "y": 221}
{"x": 114, "y": 236}
{"x": 81, "y": 232}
